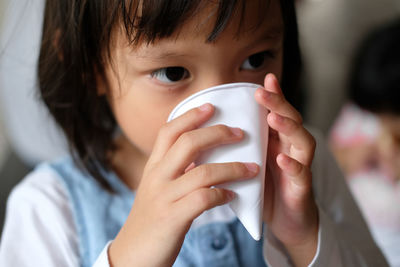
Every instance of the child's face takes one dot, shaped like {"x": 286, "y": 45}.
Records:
{"x": 154, "y": 78}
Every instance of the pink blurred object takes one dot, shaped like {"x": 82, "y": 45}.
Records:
{"x": 354, "y": 126}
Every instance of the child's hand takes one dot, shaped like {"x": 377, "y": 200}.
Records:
{"x": 173, "y": 192}
{"x": 289, "y": 210}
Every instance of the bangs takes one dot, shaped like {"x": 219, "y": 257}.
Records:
{"x": 150, "y": 20}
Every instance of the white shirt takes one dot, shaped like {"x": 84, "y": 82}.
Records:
{"x": 30, "y": 239}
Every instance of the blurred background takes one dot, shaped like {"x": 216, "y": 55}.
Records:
{"x": 330, "y": 32}
{"x": 27, "y": 133}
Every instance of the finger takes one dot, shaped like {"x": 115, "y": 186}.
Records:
{"x": 299, "y": 175}
{"x": 194, "y": 204}
{"x": 302, "y": 143}
{"x": 271, "y": 84}
{"x": 272, "y": 98}
{"x": 171, "y": 131}
{"x": 207, "y": 175}
{"x": 278, "y": 104}
{"x": 188, "y": 146}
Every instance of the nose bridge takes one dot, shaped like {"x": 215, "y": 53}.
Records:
{"x": 216, "y": 66}
{"x": 216, "y": 76}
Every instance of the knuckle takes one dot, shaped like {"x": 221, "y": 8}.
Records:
{"x": 297, "y": 168}
{"x": 312, "y": 143}
{"x": 164, "y": 131}
{"x": 299, "y": 118}
{"x": 279, "y": 100}
{"x": 293, "y": 126}
{"x": 187, "y": 140}
{"x": 306, "y": 179}
{"x": 203, "y": 199}
{"x": 223, "y": 130}
{"x": 239, "y": 168}
{"x": 205, "y": 172}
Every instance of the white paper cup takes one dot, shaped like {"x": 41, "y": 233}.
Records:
{"x": 235, "y": 106}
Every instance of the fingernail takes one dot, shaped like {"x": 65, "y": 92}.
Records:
{"x": 237, "y": 131}
{"x": 190, "y": 167}
{"x": 271, "y": 77}
{"x": 252, "y": 167}
{"x": 205, "y": 107}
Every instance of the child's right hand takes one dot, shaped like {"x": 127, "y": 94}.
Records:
{"x": 173, "y": 192}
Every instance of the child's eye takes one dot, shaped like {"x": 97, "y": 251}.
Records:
{"x": 255, "y": 61}
{"x": 170, "y": 74}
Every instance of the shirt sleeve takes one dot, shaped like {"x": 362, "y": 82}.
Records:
{"x": 39, "y": 229}
{"x": 343, "y": 237}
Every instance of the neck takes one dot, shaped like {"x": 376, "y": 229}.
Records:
{"x": 128, "y": 162}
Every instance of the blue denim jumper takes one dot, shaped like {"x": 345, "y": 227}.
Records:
{"x": 99, "y": 215}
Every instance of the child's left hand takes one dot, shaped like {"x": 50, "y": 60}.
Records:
{"x": 289, "y": 207}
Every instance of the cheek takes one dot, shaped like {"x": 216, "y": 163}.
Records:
{"x": 140, "y": 121}
{"x": 142, "y": 132}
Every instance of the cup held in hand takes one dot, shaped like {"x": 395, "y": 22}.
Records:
{"x": 235, "y": 106}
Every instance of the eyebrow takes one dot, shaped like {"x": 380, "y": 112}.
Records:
{"x": 275, "y": 33}
{"x": 272, "y": 33}
{"x": 162, "y": 55}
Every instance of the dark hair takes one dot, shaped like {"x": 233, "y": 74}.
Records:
{"x": 76, "y": 45}
{"x": 375, "y": 78}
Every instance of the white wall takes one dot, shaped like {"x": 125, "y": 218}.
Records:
{"x": 32, "y": 132}
{"x": 4, "y": 148}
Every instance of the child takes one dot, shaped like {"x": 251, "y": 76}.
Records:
{"x": 366, "y": 136}
{"x": 110, "y": 72}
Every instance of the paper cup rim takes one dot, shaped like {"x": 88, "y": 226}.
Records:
{"x": 226, "y": 86}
